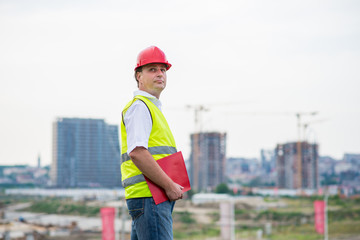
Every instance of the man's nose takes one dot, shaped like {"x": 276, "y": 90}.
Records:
{"x": 159, "y": 72}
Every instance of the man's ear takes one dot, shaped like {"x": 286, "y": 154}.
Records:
{"x": 138, "y": 74}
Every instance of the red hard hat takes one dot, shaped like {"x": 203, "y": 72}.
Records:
{"x": 152, "y": 55}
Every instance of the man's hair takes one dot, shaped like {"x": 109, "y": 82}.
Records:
{"x": 139, "y": 69}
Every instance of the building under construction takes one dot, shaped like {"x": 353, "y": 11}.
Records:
{"x": 207, "y": 160}
{"x": 297, "y": 165}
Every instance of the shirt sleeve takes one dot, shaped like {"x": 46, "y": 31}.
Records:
{"x": 138, "y": 126}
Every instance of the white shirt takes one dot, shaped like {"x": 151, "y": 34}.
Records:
{"x": 138, "y": 122}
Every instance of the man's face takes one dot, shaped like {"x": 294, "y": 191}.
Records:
{"x": 152, "y": 79}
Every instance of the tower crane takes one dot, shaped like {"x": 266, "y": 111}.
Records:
{"x": 198, "y": 109}
{"x": 306, "y": 125}
{"x": 298, "y": 116}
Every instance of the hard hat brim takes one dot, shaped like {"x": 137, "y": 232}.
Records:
{"x": 168, "y": 65}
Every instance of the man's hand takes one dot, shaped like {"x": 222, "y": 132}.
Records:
{"x": 174, "y": 192}
{"x": 148, "y": 166}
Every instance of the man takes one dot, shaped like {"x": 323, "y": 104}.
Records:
{"x": 146, "y": 137}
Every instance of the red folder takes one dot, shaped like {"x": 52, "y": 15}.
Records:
{"x": 174, "y": 166}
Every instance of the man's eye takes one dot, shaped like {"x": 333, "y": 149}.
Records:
{"x": 152, "y": 69}
{"x": 163, "y": 70}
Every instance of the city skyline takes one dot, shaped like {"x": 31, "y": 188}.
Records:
{"x": 253, "y": 65}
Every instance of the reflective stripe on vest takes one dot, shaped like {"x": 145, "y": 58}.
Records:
{"x": 133, "y": 180}
{"x": 153, "y": 151}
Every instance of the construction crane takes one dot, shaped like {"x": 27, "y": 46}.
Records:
{"x": 306, "y": 125}
{"x": 298, "y": 116}
{"x": 198, "y": 109}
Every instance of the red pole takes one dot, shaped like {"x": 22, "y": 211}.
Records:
{"x": 108, "y": 218}
{"x": 319, "y": 208}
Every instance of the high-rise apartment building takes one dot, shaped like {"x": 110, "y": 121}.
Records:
{"x": 86, "y": 153}
{"x": 297, "y": 165}
{"x": 207, "y": 160}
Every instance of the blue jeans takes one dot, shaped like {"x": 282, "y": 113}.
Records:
{"x": 150, "y": 221}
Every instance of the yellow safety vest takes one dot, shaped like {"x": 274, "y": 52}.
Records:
{"x": 161, "y": 144}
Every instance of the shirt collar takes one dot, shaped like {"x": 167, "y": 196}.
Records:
{"x": 152, "y": 98}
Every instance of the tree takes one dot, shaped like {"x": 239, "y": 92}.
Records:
{"x": 222, "y": 188}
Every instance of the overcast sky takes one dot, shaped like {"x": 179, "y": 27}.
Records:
{"x": 253, "y": 64}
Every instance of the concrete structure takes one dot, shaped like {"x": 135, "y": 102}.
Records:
{"x": 86, "y": 153}
{"x": 297, "y": 165}
{"x": 207, "y": 160}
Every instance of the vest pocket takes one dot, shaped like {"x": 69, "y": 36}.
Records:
{"x": 136, "y": 207}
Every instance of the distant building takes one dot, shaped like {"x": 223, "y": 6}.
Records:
{"x": 207, "y": 160}
{"x": 242, "y": 170}
{"x": 297, "y": 165}
{"x": 86, "y": 153}
{"x": 349, "y": 173}
{"x": 342, "y": 166}
{"x": 39, "y": 161}
{"x": 354, "y": 159}
{"x": 326, "y": 165}
{"x": 236, "y": 166}
{"x": 18, "y": 175}
{"x": 267, "y": 160}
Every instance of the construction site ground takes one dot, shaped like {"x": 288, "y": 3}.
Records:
{"x": 202, "y": 221}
